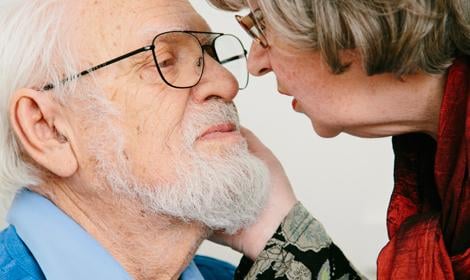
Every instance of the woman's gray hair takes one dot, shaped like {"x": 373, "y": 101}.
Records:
{"x": 399, "y": 36}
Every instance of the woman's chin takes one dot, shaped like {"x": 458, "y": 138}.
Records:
{"x": 326, "y": 132}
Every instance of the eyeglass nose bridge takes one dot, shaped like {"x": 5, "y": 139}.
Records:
{"x": 248, "y": 23}
{"x": 210, "y": 50}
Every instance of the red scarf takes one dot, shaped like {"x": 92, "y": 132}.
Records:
{"x": 428, "y": 218}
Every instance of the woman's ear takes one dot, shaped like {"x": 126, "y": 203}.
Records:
{"x": 41, "y": 127}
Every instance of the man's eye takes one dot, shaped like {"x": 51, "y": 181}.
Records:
{"x": 200, "y": 62}
{"x": 166, "y": 61}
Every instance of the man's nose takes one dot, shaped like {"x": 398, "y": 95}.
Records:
{"x": 258, "y": 60}
{"x": 216, "y": 82}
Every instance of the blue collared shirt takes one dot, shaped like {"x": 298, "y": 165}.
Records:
{"x": 64, "y": 250}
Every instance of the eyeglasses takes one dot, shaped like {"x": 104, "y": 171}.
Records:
{"x": 179, "y": 57}
{"x": 254, "y": 25}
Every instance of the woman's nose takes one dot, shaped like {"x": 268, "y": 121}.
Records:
{"x": 258, "y": 60}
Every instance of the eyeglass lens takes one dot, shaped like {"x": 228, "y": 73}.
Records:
{"x": 231, "y": 55}
{"x": 180, "y": 58}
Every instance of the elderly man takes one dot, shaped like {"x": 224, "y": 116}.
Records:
{"x": 120, "y": 168}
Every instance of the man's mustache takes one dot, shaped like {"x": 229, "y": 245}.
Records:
{"x": 202, "y": 118}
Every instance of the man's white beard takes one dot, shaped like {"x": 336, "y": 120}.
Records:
{"x": 224, "y": 191}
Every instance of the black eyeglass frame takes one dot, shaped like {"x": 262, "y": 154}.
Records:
{"x": 207, "y": 48}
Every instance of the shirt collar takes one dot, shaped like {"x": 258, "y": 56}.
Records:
{"x": 192, "y": 273}
{"x": 62, "y": 248}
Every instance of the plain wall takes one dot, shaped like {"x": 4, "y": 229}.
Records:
{"x": 345, "y": 182}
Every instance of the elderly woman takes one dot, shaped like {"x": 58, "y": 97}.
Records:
{"x": 370, "y": 68}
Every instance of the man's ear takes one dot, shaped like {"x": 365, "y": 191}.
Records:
{"x": 42, "y": 129}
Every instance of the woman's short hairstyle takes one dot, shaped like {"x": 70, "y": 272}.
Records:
{"x": 400, "y": 36}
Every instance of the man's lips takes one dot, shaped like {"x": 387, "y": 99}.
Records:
{"x": 217, "y": 129}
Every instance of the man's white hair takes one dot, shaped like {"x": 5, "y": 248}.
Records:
{"x": 33, "y": 52}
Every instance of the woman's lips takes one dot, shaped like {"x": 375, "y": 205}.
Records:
{"x": 294, "y": 103}
{"x": 297, "y": 106}
{"x": 218, "y": 130}
{"x": 283, "y": 92}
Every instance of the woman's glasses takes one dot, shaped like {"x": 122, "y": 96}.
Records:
{"x": 253, "y": 24}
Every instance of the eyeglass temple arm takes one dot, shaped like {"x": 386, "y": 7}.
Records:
{"x": 235, "y": 57}
{"x": 107, "y": 63}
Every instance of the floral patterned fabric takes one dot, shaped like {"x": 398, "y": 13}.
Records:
{"x": 300, "y": 249}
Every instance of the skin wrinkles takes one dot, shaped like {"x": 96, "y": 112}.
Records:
{"x": 154, "y": 105}
{"x": 149, "y": 146}
{"x": 352, "y": 102}
{"x": 124, "y": 64}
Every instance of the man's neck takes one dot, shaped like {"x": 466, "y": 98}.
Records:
{"x": 148, "y": 246}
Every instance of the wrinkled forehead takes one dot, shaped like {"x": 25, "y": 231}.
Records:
{"x": 127, "y": 24}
